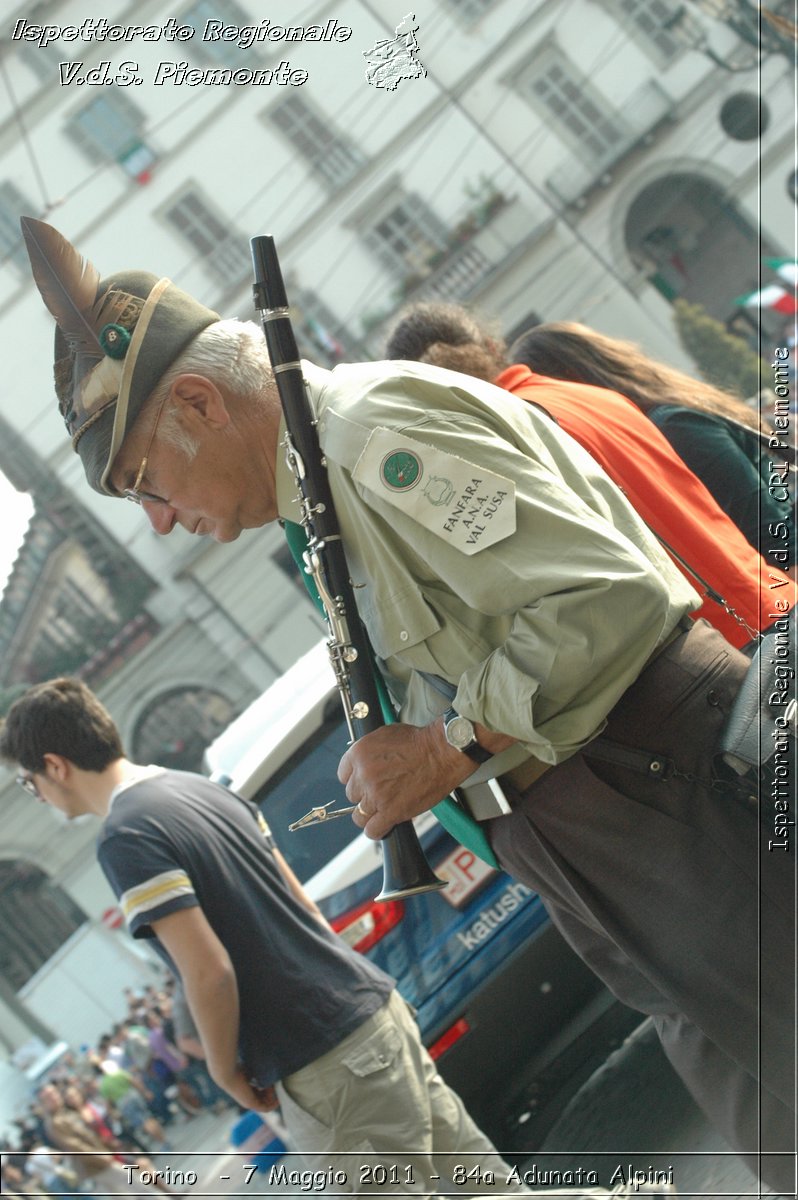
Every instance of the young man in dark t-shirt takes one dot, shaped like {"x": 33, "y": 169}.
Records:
{"x": 285, "y": 1010}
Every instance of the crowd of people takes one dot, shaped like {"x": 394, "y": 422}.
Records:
{"x": 104, "y": 1106}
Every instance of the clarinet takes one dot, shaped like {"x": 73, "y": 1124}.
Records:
{"x": 406, "y": 871}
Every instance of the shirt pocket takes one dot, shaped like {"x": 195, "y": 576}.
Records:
{"x": 401, "y": 622}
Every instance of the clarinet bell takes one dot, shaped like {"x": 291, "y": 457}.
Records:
{"x": 405, "y": 870}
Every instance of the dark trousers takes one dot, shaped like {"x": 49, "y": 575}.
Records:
{"x": 662, "y": 880}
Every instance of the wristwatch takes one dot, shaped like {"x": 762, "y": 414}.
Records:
{"x": 459, "y": 733}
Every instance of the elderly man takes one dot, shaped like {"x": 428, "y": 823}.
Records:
{"x": 494, "y": 554}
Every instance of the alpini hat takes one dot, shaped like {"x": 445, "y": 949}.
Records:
{"x": 114, "y": 340}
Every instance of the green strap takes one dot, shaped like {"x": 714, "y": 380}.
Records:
{"x": 463, "y": 828}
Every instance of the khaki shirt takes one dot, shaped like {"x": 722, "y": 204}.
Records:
{"x": 68, "y": 1131}
{"x": 541, "y": 631}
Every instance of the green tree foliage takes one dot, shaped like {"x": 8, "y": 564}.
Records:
{"x": 722, "y": 358}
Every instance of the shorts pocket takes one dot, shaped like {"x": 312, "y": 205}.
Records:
{"x": 310, "y": 1136}
{"x": 306, "y": 1131}
{"x": 377, "y": 1053}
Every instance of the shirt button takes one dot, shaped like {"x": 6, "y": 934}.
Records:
{"x": 404, "y": 635}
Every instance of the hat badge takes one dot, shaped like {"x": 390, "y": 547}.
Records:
{"x": 114, "y": 340}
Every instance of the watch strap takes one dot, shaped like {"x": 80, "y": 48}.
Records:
{"x": 473, "y": 750}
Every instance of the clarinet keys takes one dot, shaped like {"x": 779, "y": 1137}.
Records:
{"x": 322, "y": 813}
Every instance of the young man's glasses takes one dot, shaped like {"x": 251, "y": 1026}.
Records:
{"x": 134, "y": 493}
{"x": 26, "y": 781}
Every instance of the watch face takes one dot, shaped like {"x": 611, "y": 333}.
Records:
{"x": 459, "y": 732}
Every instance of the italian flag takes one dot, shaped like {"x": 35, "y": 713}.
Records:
{"x": 774, "y": 296}
{"x": 787, "y": 268}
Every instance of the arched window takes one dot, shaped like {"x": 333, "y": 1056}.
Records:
{"x": 36, "y": 918}
{"x": 694, "y": 242}
{"x": 178, "y": 725}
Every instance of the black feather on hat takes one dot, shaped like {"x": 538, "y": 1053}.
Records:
{"x": 114, "y": 340}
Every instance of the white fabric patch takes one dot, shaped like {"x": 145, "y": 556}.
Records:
{"x": 459, "y": 502}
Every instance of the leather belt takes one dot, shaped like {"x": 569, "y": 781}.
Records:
{"x": 518, "y": 780}
{"x": 524, "y": 775}
{"x": 682, "y": 626}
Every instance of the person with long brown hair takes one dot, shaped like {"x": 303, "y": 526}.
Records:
{"x": 672, "y": 501}
{"x": 717, "y": 435}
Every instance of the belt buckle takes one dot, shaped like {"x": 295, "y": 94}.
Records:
{"x": 484, "y": 801}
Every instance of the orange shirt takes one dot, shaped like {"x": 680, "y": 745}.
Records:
{"x": 667, "y": 495}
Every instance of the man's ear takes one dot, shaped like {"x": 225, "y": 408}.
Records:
{"x": 199, "y": 401}
{"x": 57, "y": 768}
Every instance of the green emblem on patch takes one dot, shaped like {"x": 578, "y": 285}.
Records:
{"x": 401, "y": 469}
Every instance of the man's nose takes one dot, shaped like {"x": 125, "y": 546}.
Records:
{"x": 161, "y": 516}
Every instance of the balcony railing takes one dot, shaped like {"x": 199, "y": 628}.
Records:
{"x": 455, "y": 274}
{"x": 460, "y": 271}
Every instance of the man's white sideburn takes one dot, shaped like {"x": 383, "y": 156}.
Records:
{"x": 173, "y": 433}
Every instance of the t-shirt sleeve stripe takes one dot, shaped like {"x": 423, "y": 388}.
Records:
{"x": 154, "y": 893}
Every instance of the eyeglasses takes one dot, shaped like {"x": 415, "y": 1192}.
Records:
{"x": 26, "y": 781}
{"x": 134, "y": 493}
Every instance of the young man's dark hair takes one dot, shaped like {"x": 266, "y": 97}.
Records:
{"x": 62, "y": 717}
{"x": 446, "y": 335}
